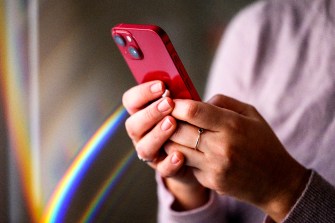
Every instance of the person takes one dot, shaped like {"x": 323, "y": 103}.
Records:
{"x": 269, "y": 158}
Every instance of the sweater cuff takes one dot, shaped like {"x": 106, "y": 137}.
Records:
{"x": 210, "y": 212}
{"x": 316, "y": 204}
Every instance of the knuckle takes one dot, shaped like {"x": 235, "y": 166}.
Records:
{"x": 226, "y": 157}
{"x": 165, "y": 172}
{"x": 236, "y": 126}
{"x": 131, "y": 133}
{"x": 124, "y": 100}
{"x": 252, "y": 108}
{"x": 149, "y": 113}
{"x": 128, "y": 103}
{"x": 216, "y": 99}
{"x": 142, "y": 153}
{"x": 192, "y": 110}
{"x": 156, "y": 135}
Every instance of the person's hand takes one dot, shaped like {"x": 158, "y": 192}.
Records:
{"x": 238, "y": 154}
{"x": 149, "y": 126}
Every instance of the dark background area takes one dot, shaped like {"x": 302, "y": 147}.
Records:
{"x": 82, "y": 77}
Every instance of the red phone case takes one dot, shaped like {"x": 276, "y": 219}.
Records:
{"x": 150, "y": 55}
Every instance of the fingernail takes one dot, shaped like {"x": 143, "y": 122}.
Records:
{"x": 155, "y": 88}
{"x": 143, "y": 160}
{"x": 166, "y": 124}
{"x": 166, "y": 93}
{"x": 175, "y": 159}
{"x": 164, "y": 106}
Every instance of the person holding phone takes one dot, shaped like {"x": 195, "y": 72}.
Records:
{"x": 272, "y": 155}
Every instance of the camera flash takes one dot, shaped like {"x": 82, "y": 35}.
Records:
{"x": 129, "y": 39}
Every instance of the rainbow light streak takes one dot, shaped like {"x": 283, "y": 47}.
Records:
{"x": 15, "y": 71}
{"x": 107, "y": 187}
{"x": 58, "y": 204}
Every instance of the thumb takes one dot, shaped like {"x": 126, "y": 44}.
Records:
{"x": 171, "y": 164}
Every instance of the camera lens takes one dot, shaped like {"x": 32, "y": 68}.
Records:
{"x": 119, "y": 40}
{"x": 134, "y": 53}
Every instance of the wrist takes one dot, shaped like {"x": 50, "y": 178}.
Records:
{"x": 281, "y": 205}
{"x": 187, "y": 196}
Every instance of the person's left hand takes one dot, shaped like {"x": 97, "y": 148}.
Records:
{"x": 238, "y": 154}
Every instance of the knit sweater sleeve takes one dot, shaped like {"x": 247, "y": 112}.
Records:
{"x": 316, "y": 204}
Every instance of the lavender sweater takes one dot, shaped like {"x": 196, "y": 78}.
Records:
{"x": 279, "y": 55}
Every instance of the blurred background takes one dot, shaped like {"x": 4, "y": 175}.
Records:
{"x": 65, "y": 156}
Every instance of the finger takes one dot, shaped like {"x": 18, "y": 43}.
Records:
{"x": 230, "y": 104}
{"x": 142, "y": 121}
{"x": 200, "y": 114}
{"x": 137, "y": 97}
{"x": 170, "y": 165}
{"x": 189, "y": 136}
{"x": 148, "y": 147}
{"x": 193, "y": 158}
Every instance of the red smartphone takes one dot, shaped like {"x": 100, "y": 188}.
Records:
{"x": 150, "y": 55}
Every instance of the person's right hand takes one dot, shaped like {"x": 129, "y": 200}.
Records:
{"x": 149, "y": 127}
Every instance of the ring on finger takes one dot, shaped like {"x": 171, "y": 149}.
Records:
{"x": 200, "y": 131}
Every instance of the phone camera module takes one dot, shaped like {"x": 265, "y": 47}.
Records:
{"x": 119, "y": 40}
{"x": 135, "y": 53}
